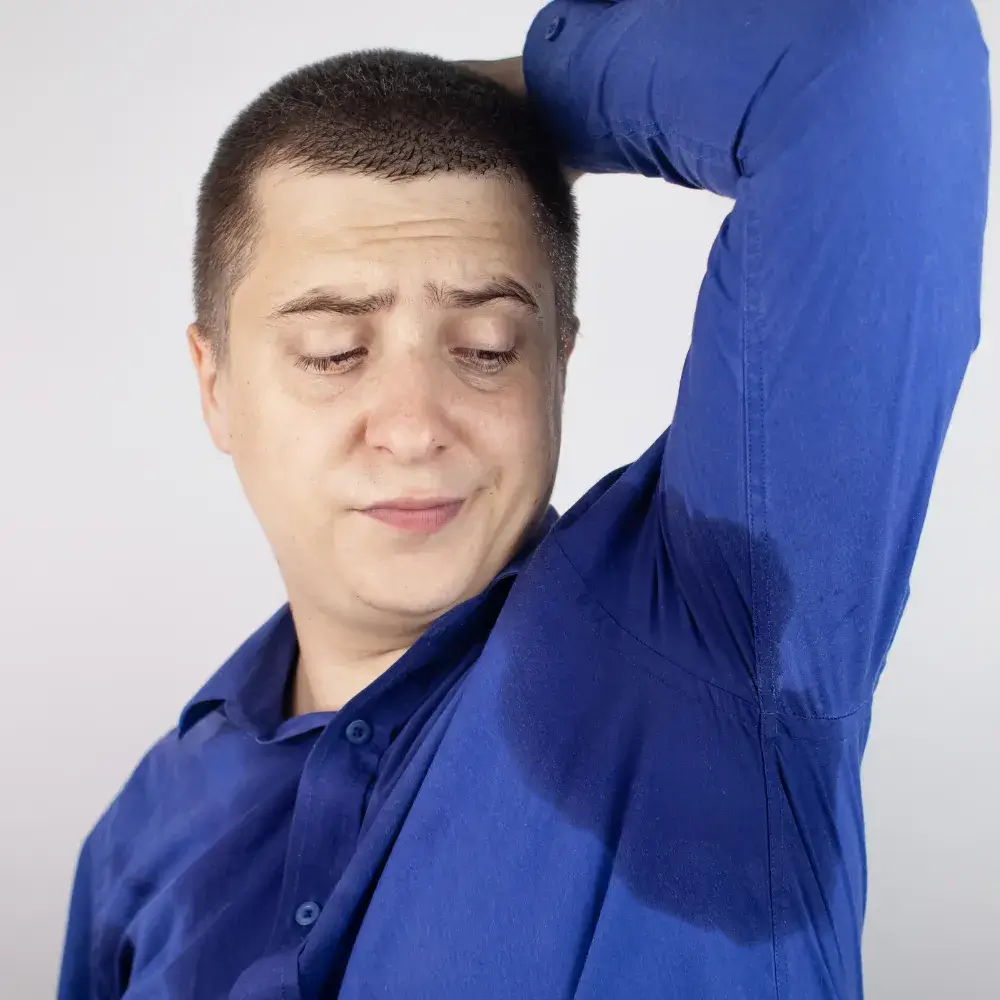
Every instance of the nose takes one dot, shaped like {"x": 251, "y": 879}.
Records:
{"x": 407, "y": 413}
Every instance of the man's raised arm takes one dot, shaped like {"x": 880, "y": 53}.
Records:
{"x": 839, "y": 311}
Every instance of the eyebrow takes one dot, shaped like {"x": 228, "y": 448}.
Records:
{"x": 329, "y": 300}
{"x": 504, "y": 287}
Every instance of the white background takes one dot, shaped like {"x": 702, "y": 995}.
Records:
{"x": 130, "y": 564}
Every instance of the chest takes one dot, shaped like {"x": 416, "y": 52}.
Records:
{"x": 565, "y": 799}
{"x": 582, "y": 827}
{"x": 237, "y": 855}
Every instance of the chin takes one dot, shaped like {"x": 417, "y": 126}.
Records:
{"x": 419, "y": 591}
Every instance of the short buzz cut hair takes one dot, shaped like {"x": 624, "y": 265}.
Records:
{"x": 388, "y": 114}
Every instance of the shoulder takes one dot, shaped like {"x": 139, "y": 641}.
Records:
{"x": 154, "y": 804}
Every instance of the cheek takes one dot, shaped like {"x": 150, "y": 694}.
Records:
{"x": 520, "y": 435}
{"x": 282, "y": 449}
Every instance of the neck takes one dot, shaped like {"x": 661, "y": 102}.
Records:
{"x": 325, "y": 687}
{"x": 336, "y": 663}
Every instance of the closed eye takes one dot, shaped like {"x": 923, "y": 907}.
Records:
{"x": 486, "y": 362}
{"x": 331, "y": 363}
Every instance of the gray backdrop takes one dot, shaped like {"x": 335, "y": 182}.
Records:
{"x": 130, "y": 565}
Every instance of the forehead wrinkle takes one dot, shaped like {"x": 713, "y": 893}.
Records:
{"x": 343, "y": 239}
{"x": 351, "y": 216}
{"x": 298, "y": 230}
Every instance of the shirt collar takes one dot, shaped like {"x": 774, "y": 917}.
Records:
{"x": 250, "y": 686}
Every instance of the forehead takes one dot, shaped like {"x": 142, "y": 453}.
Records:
{"x": 360, "y": 231}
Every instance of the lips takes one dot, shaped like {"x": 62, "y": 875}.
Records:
{"x": 420, "y": 517}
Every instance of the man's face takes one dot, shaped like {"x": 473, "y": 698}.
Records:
{"x": 392, "y": 393}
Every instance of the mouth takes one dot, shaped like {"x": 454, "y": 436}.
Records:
{"x": 416, "y": 516}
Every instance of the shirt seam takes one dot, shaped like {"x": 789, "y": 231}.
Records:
{"x": 748, "y": 702}
{"x": 706, "y": 149}
{"x": 774, "y": 846}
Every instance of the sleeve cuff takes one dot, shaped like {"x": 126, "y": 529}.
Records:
{"x": 560, "y": 79}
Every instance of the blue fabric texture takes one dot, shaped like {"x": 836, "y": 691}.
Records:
{"x": 631, "y": 767}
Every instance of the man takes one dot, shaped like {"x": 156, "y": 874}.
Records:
{"x": 486, "y": 752}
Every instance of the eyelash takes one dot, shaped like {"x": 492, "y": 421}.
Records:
{"x": 486, "y": 362}
{"x": 329, "y": 363}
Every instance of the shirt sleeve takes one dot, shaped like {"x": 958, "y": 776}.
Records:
{"x": 76, "y": 978}
{"x": 840, "y": 305}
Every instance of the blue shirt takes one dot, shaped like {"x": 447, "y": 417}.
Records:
{"x": 631, "y": 767}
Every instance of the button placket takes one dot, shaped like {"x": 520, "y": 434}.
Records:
{"x": 297, "y": 884}
{"x": 330, "y": 802}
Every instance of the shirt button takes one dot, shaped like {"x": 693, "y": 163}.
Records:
{"x": 358, "y": 732}
{"x": 554, "y": 29}
{"x": 307, "y": 914}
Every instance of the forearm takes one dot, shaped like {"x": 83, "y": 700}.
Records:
{"x": 654, "y": 88}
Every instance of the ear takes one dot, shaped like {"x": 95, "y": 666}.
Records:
{"x": 568, "y": 339}
{"x": 211, "y": 386}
